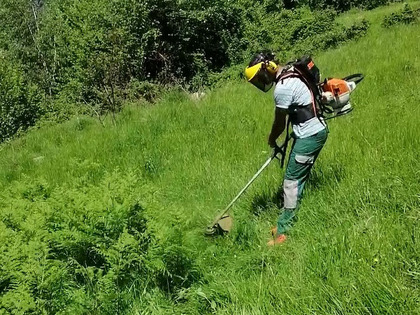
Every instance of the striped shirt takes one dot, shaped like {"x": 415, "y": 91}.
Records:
{"x": 292, "y": 91}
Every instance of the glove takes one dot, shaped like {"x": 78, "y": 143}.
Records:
{"x": 277, "y": 150}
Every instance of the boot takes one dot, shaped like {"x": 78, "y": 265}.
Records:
{"x": 277, "y": 240}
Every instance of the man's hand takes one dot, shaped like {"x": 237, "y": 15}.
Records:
{"x": 272, "y": 143}
{"x": 277, "y": 150}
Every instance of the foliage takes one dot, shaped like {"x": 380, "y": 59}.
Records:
{"x": 338, "y": 5}
{"x": 137, "y": 90}
{"x": 84, "y": 56}
{"x": 101, "y": 45}
{"x": 405, "y": 16}
{"x": 344, "y": 5}
{"x": 18, "y": 37}
{"x": 19, "y": 100}
{"x": 83, "y": 248}
{"x": 307, "y": 32}
{"x": 88, "y": 52}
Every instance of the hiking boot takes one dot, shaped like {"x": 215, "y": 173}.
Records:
{"x": 278, "y": 240}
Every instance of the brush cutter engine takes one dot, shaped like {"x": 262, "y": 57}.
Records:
{"x": 336, "y": 94}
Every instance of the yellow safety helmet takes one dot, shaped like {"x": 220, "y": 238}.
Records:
{"x": 261, "y": 72}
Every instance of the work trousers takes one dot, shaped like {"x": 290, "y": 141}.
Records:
{"x": 301, "y": 159}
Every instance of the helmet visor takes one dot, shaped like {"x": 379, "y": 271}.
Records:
{"x": 262, "y": 80}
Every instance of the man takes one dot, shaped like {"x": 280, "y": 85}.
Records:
{"x": 293, "y": 98}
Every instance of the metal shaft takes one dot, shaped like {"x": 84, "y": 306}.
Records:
{"x": 243, "y": 190}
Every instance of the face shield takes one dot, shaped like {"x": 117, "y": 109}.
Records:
{"x": 262, "y": 75}
{"x": 262, "y": 80}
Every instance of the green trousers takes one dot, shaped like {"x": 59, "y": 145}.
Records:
{"x": 302, "y": 157}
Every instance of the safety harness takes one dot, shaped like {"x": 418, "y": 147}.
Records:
{"x": 302, "y": 69}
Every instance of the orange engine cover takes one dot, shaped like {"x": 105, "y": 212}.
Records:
{"x": 336, "y": 86}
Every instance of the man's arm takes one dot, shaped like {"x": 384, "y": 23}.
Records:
{"x": 278, "y": 126}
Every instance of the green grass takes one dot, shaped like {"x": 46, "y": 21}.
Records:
{"x": 375, "y": 16}
{"x": 69, "y": 194}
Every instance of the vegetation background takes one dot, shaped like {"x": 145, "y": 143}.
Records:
{"x": 107, "y": 215}
{"x": 66, "y": 57}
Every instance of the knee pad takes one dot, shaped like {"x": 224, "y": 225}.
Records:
{"x": 290, "y": 188}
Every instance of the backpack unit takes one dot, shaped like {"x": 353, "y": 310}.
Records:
{"x": 332, "y": 96}
{"x": 309, "y": 71}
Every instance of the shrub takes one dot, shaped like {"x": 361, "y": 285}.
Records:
{"x": 344, "y": 5}
{"x": 143, "y": 90}
{"x": 404, "y": 16}
{"x": 332, "y": 37}
{"x": 306, "y": 33}
{"x": 103, "y": 45}
{"x": 19, "y": 100}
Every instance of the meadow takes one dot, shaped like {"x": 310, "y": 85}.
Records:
{"x": 110, "y": 220}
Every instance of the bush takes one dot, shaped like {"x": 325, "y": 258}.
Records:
{"x": 344, "y": 5}
{"x": 19, "y": 100}
{"x": 404, "y": 16}
{"x": 306, "y": 33}
{"x": 99, "y": 46}
{"x": 331, "y": 38}
{"x": 143, "y": 90}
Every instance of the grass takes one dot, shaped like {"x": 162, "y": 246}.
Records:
{"x": 375, "y": 16}
{"x": 69, "y": 194}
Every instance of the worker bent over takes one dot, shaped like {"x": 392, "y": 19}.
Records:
{"x": 293, "y": 100}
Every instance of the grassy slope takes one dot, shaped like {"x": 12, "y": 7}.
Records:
{"x": 355, "y": 248}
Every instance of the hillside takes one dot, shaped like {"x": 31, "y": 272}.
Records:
{"x": 107, "y": 220}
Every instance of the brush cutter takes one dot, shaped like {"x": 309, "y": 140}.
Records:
{"x": 223, "y": 222}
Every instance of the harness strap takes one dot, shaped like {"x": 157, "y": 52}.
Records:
{"x": 300, "y": 114}
{"x": 306, "y": 113}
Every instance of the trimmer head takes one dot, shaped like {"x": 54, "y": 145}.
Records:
{"x": 223, "y": 226}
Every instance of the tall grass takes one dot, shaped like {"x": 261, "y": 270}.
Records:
{"x": 69, "y": 194}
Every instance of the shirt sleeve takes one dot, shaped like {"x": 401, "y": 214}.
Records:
{"x": 283, "y": 97}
